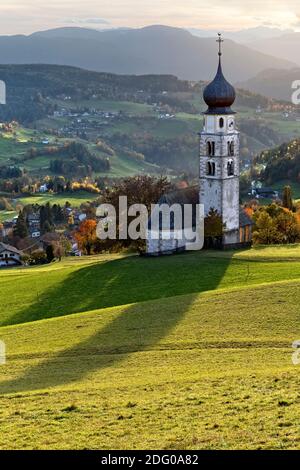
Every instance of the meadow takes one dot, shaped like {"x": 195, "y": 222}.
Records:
{"x": 75, "y": 199}
{"x": 7, "y": 215}
{"x": 183, "y": 352}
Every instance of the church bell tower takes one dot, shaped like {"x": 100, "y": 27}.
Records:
{"x": 219, "y": 155}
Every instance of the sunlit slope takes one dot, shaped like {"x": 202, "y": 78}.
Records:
{"x": 74, "y": 285}
{"x": 206, "y": 370}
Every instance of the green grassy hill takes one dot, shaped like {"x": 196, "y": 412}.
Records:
{"x": 191, "y": 351}
{"x": 75, "y": 199}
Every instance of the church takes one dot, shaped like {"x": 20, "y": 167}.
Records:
{"x": 219, "y": 172}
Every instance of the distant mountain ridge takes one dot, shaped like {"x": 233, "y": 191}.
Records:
{"x": 245, "y": 36}
{"x": 272, "y": 83}
{"x": 150, "y": 50}
{"x": 285, "y": 46}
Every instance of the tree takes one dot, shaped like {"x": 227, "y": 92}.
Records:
{"x": 213, "y": 228}
{"x": 287, "y": 199}
{"x": 20, "y": 229}
{"x": 287, "y": 224}
{"x": 50, "y": 253}
{"x": 58, "y": 250}
{"x": 38, "y": 257}
{"x": 46, "y": 220}
{"x": 46, "y": 227}
{"x": 265, "y": 231}
{"x": 86, "y": 236}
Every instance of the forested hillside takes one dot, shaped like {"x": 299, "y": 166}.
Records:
{"x": 282, "y": 162}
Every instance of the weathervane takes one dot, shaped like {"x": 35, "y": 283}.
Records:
{"x": 220, "y": 40}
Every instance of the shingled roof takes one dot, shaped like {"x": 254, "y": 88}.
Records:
{"x": 181, "y": 197}
{"x": 245, "y": 219}
{"x": 190, "y": 195}
{"x": 4, "y": 247}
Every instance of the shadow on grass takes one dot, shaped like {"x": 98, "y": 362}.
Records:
{"x": 136, "y": 328}
{"x": 122, "y": 282}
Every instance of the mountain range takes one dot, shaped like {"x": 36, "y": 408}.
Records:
{"x": 245, "y": 36}
{"x": 284, "y": 46}
{"x": 272, "y": 83}
{"x": 149, "y": 50}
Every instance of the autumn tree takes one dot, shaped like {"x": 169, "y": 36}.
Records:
{"x": 265, "y": 230}
{"x": 86, "y": 236}
{"x": 213, "y": 228}
{"x": 275, "y": 224}
{"x": 58, "y": 250}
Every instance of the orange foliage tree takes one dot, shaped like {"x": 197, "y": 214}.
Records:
{"x": 86, "y": 236}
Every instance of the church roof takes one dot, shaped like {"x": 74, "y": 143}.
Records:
{"x": 190, "y": 195}
{"x": 219, "y": 95}
{"x": 245, "y": 219}
{"x": 184, "y": 196}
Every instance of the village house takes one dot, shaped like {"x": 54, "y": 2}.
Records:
{"x": 7, "y": 228}
{"x": 34, "y": 224}
{"x": 9, "y": 256}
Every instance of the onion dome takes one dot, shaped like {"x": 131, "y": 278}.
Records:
{"x": 219, "y": 95}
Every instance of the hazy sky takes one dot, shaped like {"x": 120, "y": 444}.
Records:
{"x": 26, "y": 16}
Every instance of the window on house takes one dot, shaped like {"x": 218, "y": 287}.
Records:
{"x": 221, "y": 123}
{"x": 230, "y": 168}
{"x": 210, "y": 148}
{"x": 230, "y": 149}
{"x": 211, "y": 168}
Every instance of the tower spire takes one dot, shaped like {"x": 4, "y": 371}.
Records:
{"x": 220, "y": 40}
{"x": 219, "y": 95}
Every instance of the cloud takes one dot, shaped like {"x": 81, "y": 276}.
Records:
{"x": 89, "y": 21}
{"x": 26, "y": 16}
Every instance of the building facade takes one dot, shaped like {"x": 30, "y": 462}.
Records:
{"x": 9, "y": 256}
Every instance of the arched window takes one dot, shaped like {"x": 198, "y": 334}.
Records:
{"x": 221, "y": 123}
{"x": 211, "y": 168}
{"x": 230, "y": 146}
{"x": 230, "y": 168}
{"x": 210, "y": 148}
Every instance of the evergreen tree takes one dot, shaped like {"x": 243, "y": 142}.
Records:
{"x": 20, "y": 229}
{"x": 287, "y": 199}
{"x": 46, "y": 227}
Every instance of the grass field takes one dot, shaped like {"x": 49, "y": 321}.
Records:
{"x": 190, "y": 351}
{"x": 7, "y": 215}
{"x": 122, "y": 166}
{"x": 75, "y": 199}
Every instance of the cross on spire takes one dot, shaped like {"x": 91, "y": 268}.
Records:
{"x": 220, "y": 40}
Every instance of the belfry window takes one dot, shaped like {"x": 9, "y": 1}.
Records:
{"x": 230, "y": 168}
{"x": 221, "y": 123}
{"x": 211, "y": 168}
{"x": 210, "y": 148}
{"x": 230, "y": 149}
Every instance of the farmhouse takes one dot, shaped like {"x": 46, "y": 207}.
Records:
{"x": 219, "y": 174}
{"x": 9, "y": 256}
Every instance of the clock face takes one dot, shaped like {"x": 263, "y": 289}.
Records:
{"x": 230, "y": 124}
